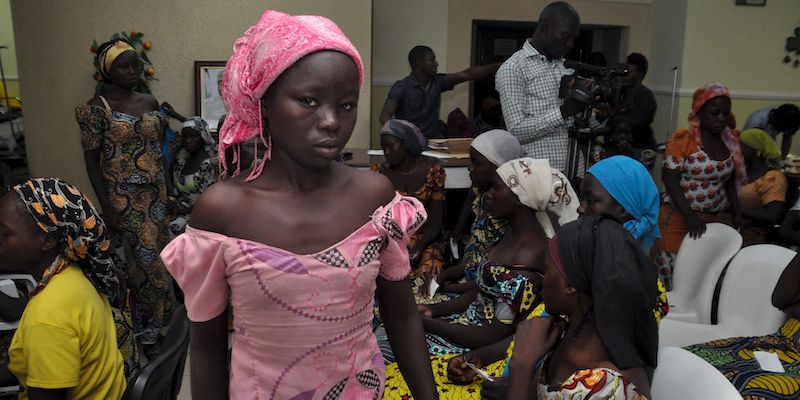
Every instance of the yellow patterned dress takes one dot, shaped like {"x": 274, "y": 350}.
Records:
{"x": 133, "y": 173}
{"x": 734, "y": 358}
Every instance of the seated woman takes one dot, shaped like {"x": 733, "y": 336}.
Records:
{"x": 763, "y": 198}
{"x": 734, "y": 357}
{"x": 619, "y": 187}
{"x": 703, "y": 167}
{"x": 196, "y": 169}
{"x": 610, "y": 335}
{"x": 420, "y": 177}
{"x": 488, "y": 151}
{"x": 66, "y": 344}
{"x": 524, "y": 192}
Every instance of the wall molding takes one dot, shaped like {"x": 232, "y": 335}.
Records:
{"x": 738, "y": 94}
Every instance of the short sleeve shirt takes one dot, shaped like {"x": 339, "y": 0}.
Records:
{"x": 420, "y": 104}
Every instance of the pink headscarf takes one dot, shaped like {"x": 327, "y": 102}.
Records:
{"x": 730, "y": 136}
{"x": 260, "y": 56}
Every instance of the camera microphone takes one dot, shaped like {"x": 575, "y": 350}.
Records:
{"x": 589, "y": 69}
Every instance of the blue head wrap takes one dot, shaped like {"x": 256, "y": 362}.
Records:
{"x": 631, "y": 185}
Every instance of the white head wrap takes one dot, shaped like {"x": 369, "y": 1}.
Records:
{"x": 541, "y": 188}
{"x": 498, "y": 146}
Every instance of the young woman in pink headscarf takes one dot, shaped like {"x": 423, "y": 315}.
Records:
{"x": 703, "y": 167}
{"x": 298, "y": 245}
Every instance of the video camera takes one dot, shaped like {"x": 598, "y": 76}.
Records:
{"x": 594, "y": 85}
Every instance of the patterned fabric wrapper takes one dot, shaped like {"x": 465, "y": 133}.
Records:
{"x": 729, "y": 136}
{"x": 260, "y": 56}
{"x": 541, "y": 188}
{"x": 61, "y": 211}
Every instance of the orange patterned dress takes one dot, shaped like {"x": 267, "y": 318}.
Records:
{"x": 133, "y": 173}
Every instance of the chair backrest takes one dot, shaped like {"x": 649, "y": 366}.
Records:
{"x": 683, "y": 375}
{"x": 697, "y": 268}
{"x": 161, "y": 378}
{"x": 745, "y": 300}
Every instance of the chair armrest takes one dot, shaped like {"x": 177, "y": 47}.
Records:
{"x": 680, "y": 333}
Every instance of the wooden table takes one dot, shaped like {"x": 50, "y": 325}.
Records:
{"x": 456, "y": 172}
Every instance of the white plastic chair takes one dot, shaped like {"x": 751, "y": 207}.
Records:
{"x": 683, "y": 375}
{"x": 745, "y": 301}
{"x": 697, "y": 267}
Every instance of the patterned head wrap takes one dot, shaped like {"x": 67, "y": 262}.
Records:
{"x": 498, "y": 146}
{"x": 760, "y": 141}
{"x": 599, "y": 257}
{"x": 542, "y": 189}
{"x": 201, "y": 127}
{"x": 62, "y": 212}
{"x": 107, "y": 56}
{"x": 631, "y": 185}
{"x": 729, "y": 136}
{"x": 407, "y": 132}
{"x": 260, "y": 56}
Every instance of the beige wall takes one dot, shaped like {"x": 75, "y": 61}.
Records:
{"x": 461, "y": 13}
{"x": 53, "y": 39}
{"x": 9, "y": 55}
{"x": 398, "y": 26}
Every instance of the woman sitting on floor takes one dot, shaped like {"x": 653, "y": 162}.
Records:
{"x": 764, "y": 197}
{"x": 610, "y": 335}
{"x": 66, "y": 342}
{"x": 619, "y": 187}
{"x": 734, "y": 357}
{"x": 488, "y": 151}
{"x": 420, "y": 177}
{"x": 524, "y": 192}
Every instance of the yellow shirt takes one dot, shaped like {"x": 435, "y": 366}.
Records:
{"x": 66, "y": 339}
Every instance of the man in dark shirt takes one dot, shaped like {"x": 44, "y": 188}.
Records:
{"x": 639, "y": 104}
{"x": 417, "y": 97}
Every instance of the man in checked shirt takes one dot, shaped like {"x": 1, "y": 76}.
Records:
{"x": 529, "y": 83}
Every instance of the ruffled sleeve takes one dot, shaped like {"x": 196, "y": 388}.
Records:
{"x": 396, "y": 222}
{"x": 93, "y": 122}
{"x": 196, "y": 259}
{"x": 679, "y": 145}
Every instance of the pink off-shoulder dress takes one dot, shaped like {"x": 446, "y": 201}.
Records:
{"x": 302, "y": 322}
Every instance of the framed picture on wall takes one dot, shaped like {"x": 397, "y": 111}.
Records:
{"x": 207, "y": 98}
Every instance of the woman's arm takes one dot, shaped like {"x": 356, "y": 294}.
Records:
{"x": 463, "y": 216}
{"x": 672, "y": 181}
{"x": 432, "y": 228}
{"x": 92, "y": 161}
{"x": 733, "y": 199}
{"x": 209, "y": 360}
{"x": 453, "y": 306}
{"x": 406, "y": 336}
{"x": 768, "y": 215}
{"x": 787, "y": 290}
{"x": 466, "y": 335}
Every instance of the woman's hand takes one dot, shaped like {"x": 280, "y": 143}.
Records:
{"x": 424, "y": 310}
{"x": 697, "y": 227}
{"x": 496, "y": 390}
{"x": 457, "y": 370}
